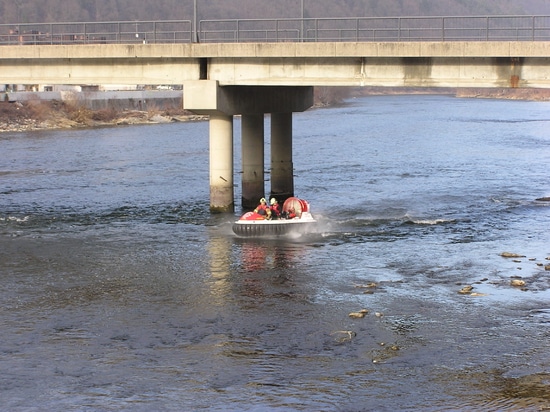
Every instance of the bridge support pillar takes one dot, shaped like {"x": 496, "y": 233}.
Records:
{"x": 221, "y": 163}
{"x": 252, "y": 102}
{"x": 282, "y": 169}
{"x": 252, "y": 159}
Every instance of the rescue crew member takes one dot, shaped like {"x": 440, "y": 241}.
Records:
{"x": 275, "y": 208}
{"x": 291, "y": 214}
{"x": 263, "y": 209}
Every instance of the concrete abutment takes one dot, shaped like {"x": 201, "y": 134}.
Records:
{"x": 252, "y": 102}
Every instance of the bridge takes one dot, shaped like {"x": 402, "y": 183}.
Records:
{"x": 254, "y": 67}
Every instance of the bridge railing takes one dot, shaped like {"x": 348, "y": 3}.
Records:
{"x": 368, "y": 29}
{"x": 172, "y": 31}
{"x": 356, "y": 29}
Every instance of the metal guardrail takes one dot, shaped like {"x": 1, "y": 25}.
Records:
{"x": 378, "y": 29}
{"x": 121, "y": 32}
{"x": 354, "y": 29}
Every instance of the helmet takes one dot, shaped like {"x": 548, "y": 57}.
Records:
{"x": 262, "y": 200}
{"x": 273, "y": 201}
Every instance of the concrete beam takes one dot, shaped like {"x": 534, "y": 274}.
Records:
{"x": 385, "y": 71}
{"x": 206, "y": 96}
{"x": 271, "y": 50}
{"x": 100, "y": 71}
{"x": 278, "y": 64}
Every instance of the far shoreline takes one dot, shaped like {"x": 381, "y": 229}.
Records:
{"x": 39, "y": 115}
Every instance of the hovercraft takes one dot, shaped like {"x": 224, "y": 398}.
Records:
{"x": 295, "y": 218}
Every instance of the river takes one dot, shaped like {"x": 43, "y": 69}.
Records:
{"x": 120, "y": 291}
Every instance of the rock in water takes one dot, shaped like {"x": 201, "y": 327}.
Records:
{"x": 511, "y": 255}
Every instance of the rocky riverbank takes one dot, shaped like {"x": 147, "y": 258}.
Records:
{"x": 42, "y": 115}
{"x": 505, "y": 93}
{"x": 463, "y": 92}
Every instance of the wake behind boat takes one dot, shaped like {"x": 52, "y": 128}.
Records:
{"x": 295, "y": 218}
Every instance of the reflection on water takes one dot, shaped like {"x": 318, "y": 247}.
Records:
{"x": 259, "y": 255}
{"x": 251, "y": 268}
{"x": 219, "y": 249}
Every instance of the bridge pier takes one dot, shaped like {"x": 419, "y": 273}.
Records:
{"x": 221, "y": 163}
{"x": 252, "y": 159}
{"x": 252, "y": 102}
{"x": 282, "y": 169}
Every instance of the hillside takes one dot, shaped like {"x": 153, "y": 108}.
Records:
{"x": 29, "y": 11}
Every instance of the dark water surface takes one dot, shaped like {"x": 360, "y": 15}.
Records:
{"x": 120, "y": 291}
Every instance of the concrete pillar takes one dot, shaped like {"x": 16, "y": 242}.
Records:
{"x": 221, "y": 163}
{"x": 252, "y": 159}
{"x": 282, "y": 168}
{"x": 221, "y": 102}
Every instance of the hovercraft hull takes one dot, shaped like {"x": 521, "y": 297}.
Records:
{"x": 272, "y": 228}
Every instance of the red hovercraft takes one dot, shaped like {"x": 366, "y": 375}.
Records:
{"x": 295, "y": 218}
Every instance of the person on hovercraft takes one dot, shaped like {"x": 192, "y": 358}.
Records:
{"x": 263, "y": 209}
{"x": 275, "y": 208}
{"x": 291, "y": 214}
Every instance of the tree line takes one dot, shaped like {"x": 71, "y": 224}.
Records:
{"x": 46, "y": 11}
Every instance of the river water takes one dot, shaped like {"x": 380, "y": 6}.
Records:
{"x": 120, "y": 291}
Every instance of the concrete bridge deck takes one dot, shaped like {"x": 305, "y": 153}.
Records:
{"x": 433, "y": 64}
